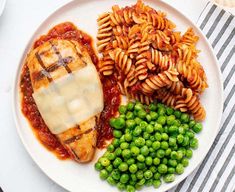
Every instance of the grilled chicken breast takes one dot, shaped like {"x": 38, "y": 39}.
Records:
{"x": 68, "y": 94}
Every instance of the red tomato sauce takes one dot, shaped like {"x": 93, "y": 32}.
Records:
{"x": 111, "y": 93}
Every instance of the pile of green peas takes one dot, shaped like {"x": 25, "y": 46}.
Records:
{"x": 151, "y": 143}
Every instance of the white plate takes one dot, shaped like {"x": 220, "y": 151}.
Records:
{"x": 76, "y": 177}
{"x": 2, "y": 6}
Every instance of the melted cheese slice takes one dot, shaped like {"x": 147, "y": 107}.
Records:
{"x": 70, "y": 100}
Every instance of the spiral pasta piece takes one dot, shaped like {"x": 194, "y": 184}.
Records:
{"x": 156, "y": 82}
{"x": 142, "y": 98}
{"x": 104, "y": 31}
{"x": 106, "y": 65}
{"x": 193, "y": 104}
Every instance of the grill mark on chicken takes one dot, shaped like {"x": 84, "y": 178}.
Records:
{"x": 77, "y": 137}
{"x": 61, "y": 61}
{"x": 42, "y": 73}
{"x": 79, "y": 54}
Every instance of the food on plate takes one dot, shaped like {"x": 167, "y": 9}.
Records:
{"x": 150, "y": 59}
{"x": 65, "y": 83}
{"x": 58, "y": 84}
{"x": 152, "y": 143}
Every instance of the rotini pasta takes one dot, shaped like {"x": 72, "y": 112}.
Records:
{"x": 149, "y": 59}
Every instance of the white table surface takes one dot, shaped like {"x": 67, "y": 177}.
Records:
{"x": 20, "y": 19}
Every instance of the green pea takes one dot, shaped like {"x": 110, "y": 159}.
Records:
{"x": 130, "y": 106}
{"x": 180, "y": 139}
{"x": 185, "y": 118}
{"x": 138, "y": 106}
{"x": 124, "y": 178}
{"x": 156, "y": 183}
{"x": 118, "y": 152}
{"x": 117, "y": 133}
{"x": 164, "y": 161}
{"x": 162, "y": 168}
{"x": 124, "y": 145}
{"x": 153, "y": 169}
{"x": 148, "y": 117}
{"x": 130, "y": 188}
{"x": 123, "y": 167}
{"x": 133, "y": 177}
{"x": 190, "y": 134}
{"x": 109, "y": 168}
{"x": 173, "y": 155}
{"x": 122, "y": 139}
{"x": 189, "y": 153}
{"x": 149, "y": 182}
{"x": 173, "y": 129}
{"x": 115, "y": 174}
{"x": 122, "y": 109}
{"x": 164, "y": 145}
{"x": 130, "y": 124}
{"x": 137, "y": 120}
{"x": 161, "y": 111}
{"x": 133, "y": 168}
{"x": 165, "y": 136}
{"x": 179, "y": 168}
{"x": 104, "y": 161}
{"x": 116, "y": 142}
{"x": 143, "y": 125}
{"x": 194, "y": 143}
{"x": 177, "y": 114}
{"x": 158, "y": 136}
{"x": 128, "y": 137}
{"x": 129, "y": 115}
{"x": 172, "y": 162}
{"x": 141, "y": 165}
{"x": 160, "y": 153}
{"x": 171, "y": 170}
{"x": 192, "y": 123}
{"x": 156, "y": 175}
{"x": 123, "y": 116}
{"x": 156, "y": 145}
{"x": 153, "y": 154}
{"x": 179, "y": 155}
{"x": 172, "y": 141}
{"x": 149, "y": 129}
{"x": 181, "y": 130}
{"x": 152, "y": 107}
{"x": 170, "y": 120}
{"x": 111, "y": 156}
{"x": 161, "y": 120}
{"x": 169, "y": 178}
{"x": 186, "y": 141}
{"x": 183, "y": 150}
{"x": 137, "y": 131}
{"x": 148, "y": 143}
{"x": 185, "y": 126}
{"x": 98, "y": 166}
{"x": 148, "y": 160}
{"x": 169, "y": 111}
{"x": 153, "y": 115}
{"x": 110, "y": 148}
{"x": 139, "y": 174}
{"x": 135, "y": 151}
{"x": 117, "y": 162}
{"x": 141, "y": 114}
{"x": 139, "y": 142}
{"x": 144, "y": 150}
{"x": 112, "y": 121}
{"x": 168, "y": 152}
{"x": 152, "y": 138}
{"x": 141, "y": 182}
{"x": 146, "y": 135}
{"x": 140, "y": 158}
{"x": 148, "y": 174}
{"x": 126, "y": 153}
{"x": 156, "y": 161}
{"x": 197, "y": 127}
{"x": 121, "y": 186}
{"x": 185, "y": 162}
{"x": 119, "y": 123}
{"x": 111, "y": 181}
{"x": 130, "y": 161}
{"x": 158, "y": 127}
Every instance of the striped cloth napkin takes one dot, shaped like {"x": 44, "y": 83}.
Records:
{"x": 217, "y": 171}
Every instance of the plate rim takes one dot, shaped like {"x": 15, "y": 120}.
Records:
{"x": 2, "y": 7}
{"x": 29, "y": 44}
